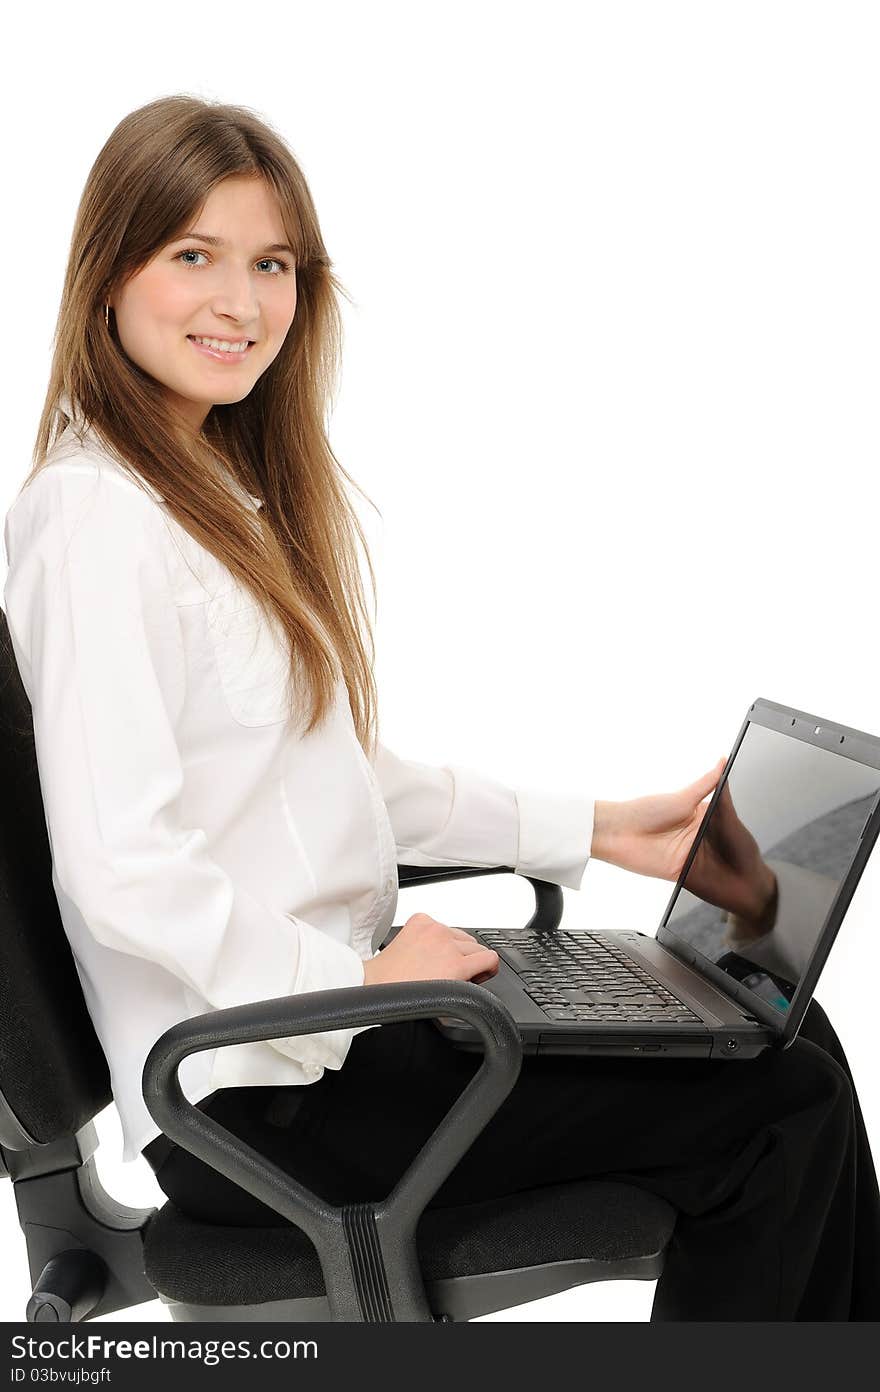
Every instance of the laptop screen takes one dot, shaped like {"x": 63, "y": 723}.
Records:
{"x": 770, "y": 859}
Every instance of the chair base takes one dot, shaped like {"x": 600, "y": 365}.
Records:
{"x": 459, "y": 1299}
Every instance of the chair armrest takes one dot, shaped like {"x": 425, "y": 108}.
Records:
{"x": 367, "y": 1252}
{"x": 548, "y": 896}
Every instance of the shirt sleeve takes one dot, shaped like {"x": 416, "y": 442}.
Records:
{"x": 453, "y": 815}
{"x": 97, "y": 637}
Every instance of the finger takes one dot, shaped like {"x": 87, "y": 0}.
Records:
{"x": 460, "y": 933}
{"x": 482, "y": 969}
{"x": 709, "y": 780}
{"x": 468, "y": 946}
{"x": 484, "y": 975}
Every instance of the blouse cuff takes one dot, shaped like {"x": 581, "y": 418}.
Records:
{"x": 325, "y": 964}
{"x": 555, "y": 836}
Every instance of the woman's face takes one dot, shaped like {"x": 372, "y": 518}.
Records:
{"x": 240, "y": 287}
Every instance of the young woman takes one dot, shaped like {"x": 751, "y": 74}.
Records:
{"x": 185, "y": 606}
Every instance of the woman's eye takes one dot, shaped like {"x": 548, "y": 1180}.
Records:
{"x": 264, "y": 261}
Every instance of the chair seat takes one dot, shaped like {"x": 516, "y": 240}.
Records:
{"x": 210, "y": 1264}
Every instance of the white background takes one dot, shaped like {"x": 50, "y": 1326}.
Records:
{"x": 610, "y": 377}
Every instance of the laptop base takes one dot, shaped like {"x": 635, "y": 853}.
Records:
{"x": 724, "y": 1030}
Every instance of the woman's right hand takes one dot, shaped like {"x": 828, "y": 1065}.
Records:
{"x": 425, "y": 950}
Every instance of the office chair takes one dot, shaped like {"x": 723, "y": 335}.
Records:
{"x": 375, "y": 1262}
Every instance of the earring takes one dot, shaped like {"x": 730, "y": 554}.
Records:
{"x": 107, "y": 315}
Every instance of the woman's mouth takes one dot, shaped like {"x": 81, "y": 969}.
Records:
{"x": 232, "y": 353}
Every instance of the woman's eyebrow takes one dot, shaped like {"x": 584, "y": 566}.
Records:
{"x": 219, "y": 242}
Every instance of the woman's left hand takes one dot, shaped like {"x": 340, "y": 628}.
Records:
{"x": 653, "y": 835}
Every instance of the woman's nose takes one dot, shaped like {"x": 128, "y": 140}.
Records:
{"x": 236, "y": 299}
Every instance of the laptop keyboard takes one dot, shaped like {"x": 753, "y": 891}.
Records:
{"x": 586, "y": 976}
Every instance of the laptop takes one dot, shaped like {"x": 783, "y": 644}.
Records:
{"x": 747, "y": 930}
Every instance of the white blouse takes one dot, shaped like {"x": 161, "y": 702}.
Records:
{"x": 205, "y": 852}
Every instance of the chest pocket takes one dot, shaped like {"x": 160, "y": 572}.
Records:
{"x": 252, "y": 658}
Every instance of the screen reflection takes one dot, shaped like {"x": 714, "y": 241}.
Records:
{"x": 770, "y": 860}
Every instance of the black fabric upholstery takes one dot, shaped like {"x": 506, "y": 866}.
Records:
{"x": 53, "y": 1074}
{"x": 209, "y": 1264}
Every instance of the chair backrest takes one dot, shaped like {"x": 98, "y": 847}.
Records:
{"x": 53, "y": 1074}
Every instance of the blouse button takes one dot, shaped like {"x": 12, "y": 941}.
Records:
{"x": 389, "y": 885}
{"x": 311, "y": 1070}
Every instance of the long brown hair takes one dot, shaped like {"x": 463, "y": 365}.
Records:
{"x": 300, "y": 561}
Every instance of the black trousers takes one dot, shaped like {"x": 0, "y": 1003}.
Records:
{"x": 766, "y": 1160}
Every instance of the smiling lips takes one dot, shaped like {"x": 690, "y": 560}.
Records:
{"x": 232, "y": 354}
